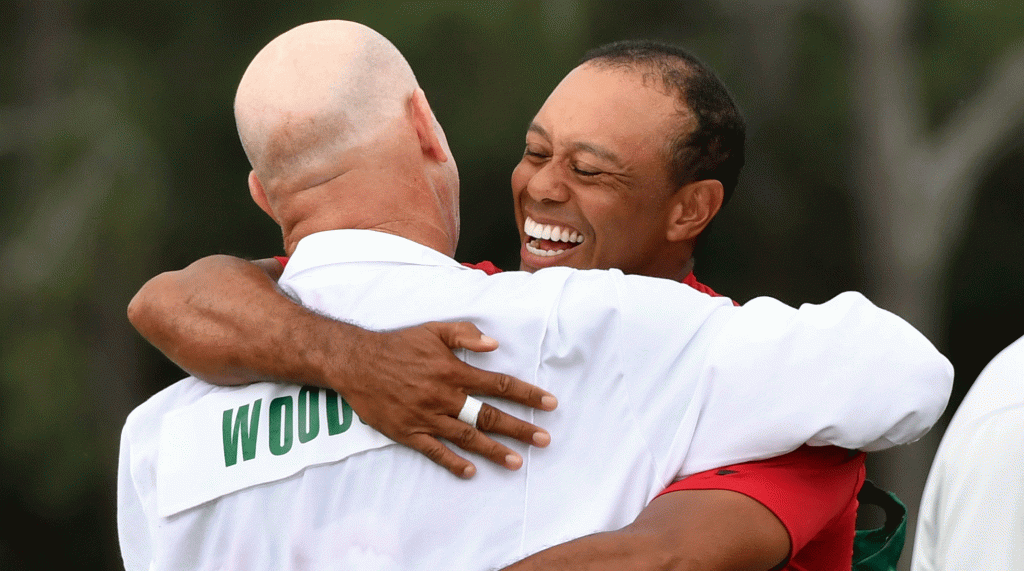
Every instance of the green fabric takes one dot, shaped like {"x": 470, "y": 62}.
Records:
{"x": 879, "y": 549}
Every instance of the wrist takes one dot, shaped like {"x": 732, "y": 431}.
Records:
{"x": 338, "y": 354}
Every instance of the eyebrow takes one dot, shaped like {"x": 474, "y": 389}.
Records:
{"x": 595, "y": 150}
{"x": 535, "y": 128}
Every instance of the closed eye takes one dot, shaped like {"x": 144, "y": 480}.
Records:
{"x": 583, "y": 172}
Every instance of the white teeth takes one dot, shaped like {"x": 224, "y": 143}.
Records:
{"x": 551, "y": 232}
{"x": 539, "y": 252}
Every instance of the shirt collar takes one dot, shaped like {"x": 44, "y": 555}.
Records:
{"x": 348, "y": 246}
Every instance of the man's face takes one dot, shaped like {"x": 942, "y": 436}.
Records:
{"x": 595, "y": 171}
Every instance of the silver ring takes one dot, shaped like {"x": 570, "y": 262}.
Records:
{"x": 470, "y": 411}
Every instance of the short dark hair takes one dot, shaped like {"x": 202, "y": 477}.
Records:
{"x": 714, "y": 149}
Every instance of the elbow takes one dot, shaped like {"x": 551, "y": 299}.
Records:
{"x": 915, "y": 387}
{"x": 941, "y": 387}
{"x": 148, "y": 307}
{"x": 168, "y": 295}
{"x": 139, "y": 307}
{"x": 935, "y": 391}
{"x": 930, "y": 394}
{"x": 916, "y": 403}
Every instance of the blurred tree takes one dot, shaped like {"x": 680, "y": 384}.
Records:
{"x": 82, "y": 215}
{"x": 918, "y": 182}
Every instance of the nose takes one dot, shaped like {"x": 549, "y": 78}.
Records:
{"x": 548, "y": 184}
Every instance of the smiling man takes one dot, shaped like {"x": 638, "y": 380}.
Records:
{"x": 594, "y": 188}
{"x": 625, "y": 165}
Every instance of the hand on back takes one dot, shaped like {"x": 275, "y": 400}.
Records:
{"x": 409, "y": 385}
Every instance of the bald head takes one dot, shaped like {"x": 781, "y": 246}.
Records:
{"x": 339, "y": 135}
{"x": 313, "y": 96}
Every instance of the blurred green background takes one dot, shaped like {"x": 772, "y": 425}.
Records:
{"x": 885, "y": 155}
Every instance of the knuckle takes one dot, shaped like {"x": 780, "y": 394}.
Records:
{"x": 424, "y": 398}
{"x": 430, "y": 400}
{"x": 464, "y": 436}
{"x": 449, "y": 368}
{"x": 505, "y": 384}
{"x": 488, "y": 418}
{"x": 420, "y": 335}
{"x": 435, "y": 452}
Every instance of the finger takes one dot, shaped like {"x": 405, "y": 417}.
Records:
{"x": 472, "y": 440}
{"x": 496, "y": 421}
{"x": 512, "y": 389}
{"x": 440, "y": 454}
{"x": 462, "y": 334}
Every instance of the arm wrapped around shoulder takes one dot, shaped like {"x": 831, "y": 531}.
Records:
{"x": 845, "y": 373}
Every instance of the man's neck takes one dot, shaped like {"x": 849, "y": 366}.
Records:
{"x": 354, "y": 201}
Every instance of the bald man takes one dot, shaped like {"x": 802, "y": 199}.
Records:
{"x": 275, "y": 477}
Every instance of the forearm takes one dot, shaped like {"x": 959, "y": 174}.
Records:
{"x": 225, "y": 320}
{"x": 705, "y": 530}
{"x": 621, "y": 550}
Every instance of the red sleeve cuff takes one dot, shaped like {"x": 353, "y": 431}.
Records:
{"x": 807, "y": 489}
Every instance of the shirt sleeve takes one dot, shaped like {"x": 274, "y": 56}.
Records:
{"x": 807, "y": 489}
{"x": 710, "y": 384}
{"x": 843, "y": 373}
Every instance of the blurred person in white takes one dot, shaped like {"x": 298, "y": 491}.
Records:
{"x": 972, "y": 510}
{"x": 340, "y": 136}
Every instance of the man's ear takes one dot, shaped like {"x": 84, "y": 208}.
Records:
{"x": 259, "y": 195}
{"x": 424, "y": 122}
{"x": 695, "y": 204}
